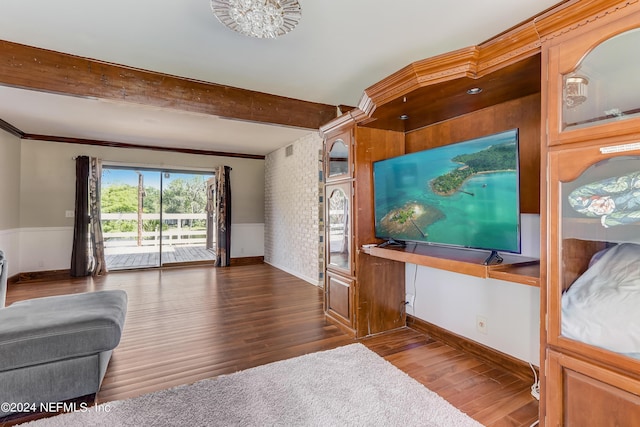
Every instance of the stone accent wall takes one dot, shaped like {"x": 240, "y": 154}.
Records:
{"x": 293, "y": 199}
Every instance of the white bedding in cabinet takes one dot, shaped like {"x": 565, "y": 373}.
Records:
{"x": 602, "y": 307}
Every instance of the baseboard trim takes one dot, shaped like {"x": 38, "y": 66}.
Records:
{"x": 318, "y": 283}
{"x": 41, "y": 276}
{"x": 337, "y": 323}
{"x": 487, "y": 354}
{"x": 247, "y": 260}
{"x": 47, "y": 275}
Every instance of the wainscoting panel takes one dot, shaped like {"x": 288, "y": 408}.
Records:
{"x": 45, "y": 248}
{"x": 10, "y": 245}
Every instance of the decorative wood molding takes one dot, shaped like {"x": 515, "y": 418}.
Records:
{"x": 575, "y": 14}
{"x": 48, "y": 71}
{"x": 448, "y": 66}
{"x": 514, "y": 45}
{"x": 338, "y": 124}
{"x": 50, "y": 138}
{"x": 490, "y": 355}
{"x": 508, "y": 48}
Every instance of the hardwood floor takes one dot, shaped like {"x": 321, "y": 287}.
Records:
{"x": 187, "y": 324}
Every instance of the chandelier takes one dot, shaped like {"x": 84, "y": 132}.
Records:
{"x": 258, "y": 18}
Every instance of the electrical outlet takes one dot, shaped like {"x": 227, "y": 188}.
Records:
{"x": 481, "y": 325}
{"x": 69, "y": 214}
{"x": 410, "y": 299}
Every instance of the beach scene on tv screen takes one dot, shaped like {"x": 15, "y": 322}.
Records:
{"x": 463, "y": 194}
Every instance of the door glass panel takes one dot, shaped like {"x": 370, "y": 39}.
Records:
{"x": 600, "y": 277}
{"x": 338, "y": 159}
{"x": 339, "y": 241}
{"x": 605, "y": 86}
{"x": 184, "y": 218}
{"x": 130, "y": 217}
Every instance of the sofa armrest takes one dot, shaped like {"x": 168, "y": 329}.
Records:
{"x": 49, "y": 329}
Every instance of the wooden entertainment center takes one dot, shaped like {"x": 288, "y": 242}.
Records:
{"x": 530, "y": 79}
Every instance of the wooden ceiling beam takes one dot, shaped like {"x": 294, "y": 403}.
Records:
{"x": 44, "y": 70}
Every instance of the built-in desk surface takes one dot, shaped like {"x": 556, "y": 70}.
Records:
{"x": 513, "y": 268}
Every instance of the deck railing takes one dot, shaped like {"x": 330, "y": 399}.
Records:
{"x": 176, "y": 234}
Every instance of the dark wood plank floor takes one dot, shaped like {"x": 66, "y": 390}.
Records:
{"x": 187, "y": 324}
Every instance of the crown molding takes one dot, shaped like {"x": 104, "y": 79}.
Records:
{"x": 507, "y": 48}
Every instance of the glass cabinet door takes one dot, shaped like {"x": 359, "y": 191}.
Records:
{"x": 338, "y": 222}
{"x": 605, "y": 86}
{"x": 596, "y": 233}
{"x": 339, "y": 157}
{"x": 594, "y": 84}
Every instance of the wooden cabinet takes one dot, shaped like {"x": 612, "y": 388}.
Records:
{"x": 589, "y": 395}
{"x": 591, "y": 224}
{"x": 363, "y": 294}
{"x": 339, "y": 261}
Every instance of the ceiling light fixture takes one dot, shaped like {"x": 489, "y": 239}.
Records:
{"x": 258, "y": 18}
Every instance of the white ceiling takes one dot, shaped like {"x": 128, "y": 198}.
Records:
{"x": 340, "y": 48}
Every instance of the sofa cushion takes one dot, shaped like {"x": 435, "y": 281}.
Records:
{"x": 47, "y": 329}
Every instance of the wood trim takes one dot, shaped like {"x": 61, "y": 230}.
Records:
{"x": 335, "y": 321}
{"x": 487, "y": 354}
{"x": 41, "y": 276}
{"x": 476, "y": 61}
{"x": 339, "y": 124}
{"x": 573, "y": 15}
{"x": 437, "y": 69}
{"x": 247, "y": 260}
{"x": 509, "y": 47}
{"x": 48, "y": 275}
{"x": 11, "y": 129}
{"x": 50, "y": 138}
{"x": 44, "y": 70}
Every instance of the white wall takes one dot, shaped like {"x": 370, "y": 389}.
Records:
{"x": 453, "y": 301}
{"x": 10, "y": 199}
{"x": 292, "y": 209}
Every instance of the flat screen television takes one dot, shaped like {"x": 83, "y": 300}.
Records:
{"x": 464, "y": 195}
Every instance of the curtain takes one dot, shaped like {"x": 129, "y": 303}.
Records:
{"x": 80, "y": 264}
{"x": 97, "y": 241}
{"x": 87, "y": 256}
{"x": 222, "y": 208}
{"x": 210, "y": 209}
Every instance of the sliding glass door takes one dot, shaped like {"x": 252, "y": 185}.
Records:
{"x": 153, "y": 217}
{"x": 184, "y": 218}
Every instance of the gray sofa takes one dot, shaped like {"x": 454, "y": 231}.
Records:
{"x": 55, "y": 349}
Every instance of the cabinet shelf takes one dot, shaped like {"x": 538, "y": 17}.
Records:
{"x": 464, "y": 261}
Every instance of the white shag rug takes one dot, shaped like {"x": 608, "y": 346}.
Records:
{"x": 346, "y": 386}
